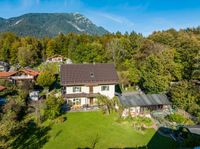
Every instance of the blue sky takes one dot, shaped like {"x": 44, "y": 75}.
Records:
{"x": 143, "y": 16}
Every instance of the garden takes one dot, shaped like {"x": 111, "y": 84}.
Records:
{"x": 99, "y": 131}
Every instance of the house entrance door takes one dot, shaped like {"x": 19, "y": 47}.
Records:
{"x": 91, "y": 101}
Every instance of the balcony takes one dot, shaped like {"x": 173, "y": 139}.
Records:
{"x": 23, "y": 77}
{"x": 88, "y": 95}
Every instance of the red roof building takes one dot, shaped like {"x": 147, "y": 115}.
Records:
{"x": 25, "y": 74}
{"x": 7, "y": 74}
{"x": 20, "y": 75}
{"x": 31, "y": 72}
{"x": 2, "y": 88}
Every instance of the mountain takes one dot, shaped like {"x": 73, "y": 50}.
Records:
{"x": 49, "y": 24}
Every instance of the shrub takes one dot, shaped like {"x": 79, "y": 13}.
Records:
{"x": 180, "y": 119}
{"x": 107, "y": 105}
{"x": 142, "y": 121}
{"x": 53, "y": 107}
{"x": 61, "y": 119}
{"x": 46, "y": 79}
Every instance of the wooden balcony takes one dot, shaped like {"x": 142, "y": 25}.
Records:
{"x": 88, "y": 95}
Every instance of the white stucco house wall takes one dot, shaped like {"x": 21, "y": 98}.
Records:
{"x": 82, "y": 83}
{"x": 56, "y": 58}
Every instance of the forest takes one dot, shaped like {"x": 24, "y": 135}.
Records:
{"x": 164, "y": 62}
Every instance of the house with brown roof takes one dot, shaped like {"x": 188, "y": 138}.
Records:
{"x": 82, "y": 83}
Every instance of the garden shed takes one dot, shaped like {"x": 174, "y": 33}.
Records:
{"x": 138, "y": 103}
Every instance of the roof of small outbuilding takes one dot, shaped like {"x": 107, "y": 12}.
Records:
{"x": 134, "y": 100}
{"x": 195, "y": 129}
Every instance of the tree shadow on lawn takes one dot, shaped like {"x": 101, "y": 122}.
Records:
{"x": 157, "y": 142}
{"x": 57, "y": 134}
{"x": 164, "y": 141}
{"x": 96, "y": 139}
{"x": 31, "y": 137}
{"x": 141, "y": 147}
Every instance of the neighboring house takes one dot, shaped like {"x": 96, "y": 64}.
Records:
{"x": 4, "y": 66}
{"x": 7, "y": 75}
{"x": 15, "y": 76}
{"x": 56, "y": 58}
{"x": 25, "y": 74}
{"x": 82, "y": 83}
{"x": 137, "y": 104}
{"x": 2, "y": 88}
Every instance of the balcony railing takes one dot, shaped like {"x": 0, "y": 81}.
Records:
{"x": 22, "y": 77}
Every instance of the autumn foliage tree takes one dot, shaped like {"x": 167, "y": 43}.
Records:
{"x": 152, "y": 62}
{"x": 52, "y": 107}
{"x": 45, "y": 79}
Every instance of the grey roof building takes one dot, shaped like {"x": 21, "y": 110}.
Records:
{"x": 143, "y": 100}
{"x": 194, "y": 129}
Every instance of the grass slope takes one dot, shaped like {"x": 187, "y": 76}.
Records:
{"x": 80, "y": 130}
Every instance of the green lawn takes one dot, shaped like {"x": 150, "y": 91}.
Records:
{"x": 80, "y": 130}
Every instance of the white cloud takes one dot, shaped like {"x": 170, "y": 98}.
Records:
{"x": 112, "y": 18}
{"x": 110, "y": 21}
{"x": 117, "y": 19}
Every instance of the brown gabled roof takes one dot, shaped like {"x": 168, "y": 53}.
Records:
{"x": 82, "y": 74}
{"x": 31, "y": 72}
{"x": 2, "y": 88}
{"x": 7, "y": 74}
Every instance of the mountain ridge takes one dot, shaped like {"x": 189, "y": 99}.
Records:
{"x": 50, "y": 24}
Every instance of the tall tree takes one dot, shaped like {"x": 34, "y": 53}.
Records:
{"x": 45, "y": 79}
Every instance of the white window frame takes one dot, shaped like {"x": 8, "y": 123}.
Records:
{"x": 76, "y": 101}
{"x": 2, "y": 67}
{"x": 76, "y": 89}
{"x": 105, "y": 88}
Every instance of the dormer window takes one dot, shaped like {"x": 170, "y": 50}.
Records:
{"x": 91, "y": 74}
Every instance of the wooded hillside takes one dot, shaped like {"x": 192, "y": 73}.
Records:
{"x": 152, "y": 63}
